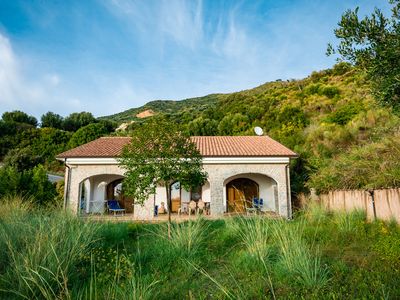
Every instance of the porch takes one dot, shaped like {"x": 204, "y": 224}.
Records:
{"x": 174, "y": 217}
{"x": 240, "y": 193}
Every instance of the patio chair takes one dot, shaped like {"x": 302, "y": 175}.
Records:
{"x": 114, "y": 207}
{"x": 183, "y": 208}
{"x": 250, "y": 209}
{"x": 201, "y": 206}
{"x": 192, "y": 207}
{"x": 258, "y": 203}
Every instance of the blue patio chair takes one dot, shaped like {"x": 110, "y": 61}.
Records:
{"x": 113, "y": 206}
{"x": 258, "y": 203}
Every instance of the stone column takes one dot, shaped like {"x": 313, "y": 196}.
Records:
{"x": 217, "y": 196}
{"x": 72, "y": 191}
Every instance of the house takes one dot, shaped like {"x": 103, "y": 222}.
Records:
{"x": 238, "y": 167}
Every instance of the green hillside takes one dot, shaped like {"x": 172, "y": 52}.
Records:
{"x": 330, "y": 118}
{"x": 191, "y": 106}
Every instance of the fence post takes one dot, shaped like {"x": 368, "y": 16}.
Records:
{"x": 371, "y": 193}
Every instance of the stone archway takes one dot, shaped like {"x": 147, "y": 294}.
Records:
{"x": 242, "y": 188}
{"x": 240, "y": 193}
{"x": 93, "y": 194}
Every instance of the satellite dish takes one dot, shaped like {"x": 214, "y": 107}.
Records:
{"x": 258, "y": 131}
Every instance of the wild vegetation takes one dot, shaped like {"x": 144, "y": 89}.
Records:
{"x": 27, "y": 152}
{"x": 326, "y": 118}
{"x": 48, "y": 254}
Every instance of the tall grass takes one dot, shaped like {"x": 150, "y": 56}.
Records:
{"x": 44, "y": 250}
{"x": 187, "y": 238}
{"x": 41, "y": 250}
{"x": 314, "y": 212}
{"x": 135, "y": 288}
{"x": 297, "y": 258}
{"x": 255, "y": 234}
{"x": 349, "y": 222}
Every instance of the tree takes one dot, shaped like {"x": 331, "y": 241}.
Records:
{"x": 51, "y": 119}
{"x": 77, "y": 120}
{"x": 86, "y": 134}
{"x": 373, "y": 44}
{"x": 160, "y": 152}
{"x": 18, "y": 116}
{"x": 22, "y": 159}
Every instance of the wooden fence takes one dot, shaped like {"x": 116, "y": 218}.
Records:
{"x": 381, "y": 204}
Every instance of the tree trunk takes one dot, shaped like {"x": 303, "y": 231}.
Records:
{"x": 169, "y": 206}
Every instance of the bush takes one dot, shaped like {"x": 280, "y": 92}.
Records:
{"x": 344, "y": 114}
{"x": 375, "y": 165}
{"x": 32, "y": 183}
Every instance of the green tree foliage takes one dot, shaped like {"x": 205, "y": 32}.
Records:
{"x": 31, "y": 183}
{"x": 203, "y": 126}
{"x": 17, "y": 116}
{"x": 51, "y": 119}
{"x": 40, "y": 186}
{"x": 373, "y": 44}
{"x": 233, "y": 124}
{"x": 86, "y": 134}
{"x": 77, "y": 120}
{"x": 22, "y": 159}
{"x": 37, "y": 146}
{"x": 160, "y": 152}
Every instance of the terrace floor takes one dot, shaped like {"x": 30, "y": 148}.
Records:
{"x": 164, "y": 218}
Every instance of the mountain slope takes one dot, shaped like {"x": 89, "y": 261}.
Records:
{"x": 191, "y": 105}
{"x": 330, "y": 118}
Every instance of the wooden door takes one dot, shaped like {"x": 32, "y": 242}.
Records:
{"x": 240, "y": 194}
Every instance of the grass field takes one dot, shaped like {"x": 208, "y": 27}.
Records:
{"x": 52, "y": 255}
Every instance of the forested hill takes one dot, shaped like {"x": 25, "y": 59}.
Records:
{"x": 330, "y": 118}
{"x": 190, "y": 105}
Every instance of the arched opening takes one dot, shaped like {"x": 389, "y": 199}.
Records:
{"x": 94, "y": 192}
{"x": 240, "y": 194}
{"x": 115, "y": 191}
{"x": 180, "y": 197}
{"x": 241, "y": 189}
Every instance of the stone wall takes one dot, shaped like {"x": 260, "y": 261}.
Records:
{"x": 218, "y": 174}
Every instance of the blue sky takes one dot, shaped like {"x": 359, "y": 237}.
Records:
{"x": 105, "y": 56}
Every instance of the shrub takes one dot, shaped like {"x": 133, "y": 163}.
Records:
{"x": 375, "y": 165}
{"x": 329, "y": 91}
{"x": 344, "y": 114}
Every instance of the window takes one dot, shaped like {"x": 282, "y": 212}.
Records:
{"x": 195, "y": 193}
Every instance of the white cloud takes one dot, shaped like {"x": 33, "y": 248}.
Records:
{"x": 53, "y": 79}
{"x": 178, "y": 20}
{"x": 9, "y": 72}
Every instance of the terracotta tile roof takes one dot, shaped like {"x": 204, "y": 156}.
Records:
{"x": 240, "y": 146}
{"x": 209, "y": 146}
